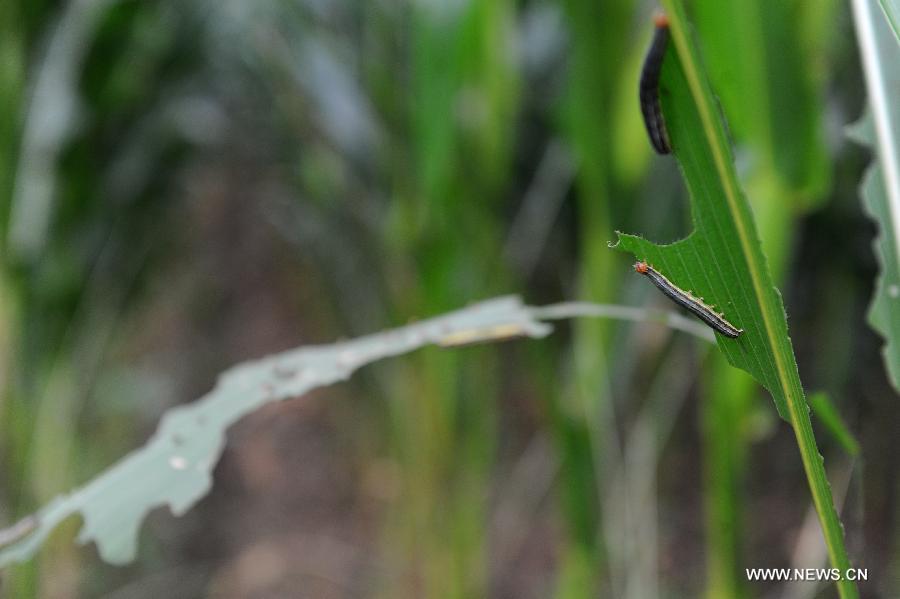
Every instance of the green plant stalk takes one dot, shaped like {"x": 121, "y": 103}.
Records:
{"x": 15, "y": 416}
{"x": 460, "y": 110}
{"x": 787, "y": 375}
{"x": 724, "y": 458}
{"x": 582, "y": 420}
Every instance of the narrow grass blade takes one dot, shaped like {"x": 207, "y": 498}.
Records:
{"x": 828, "y": 415}
{"x": 52, "y": 115}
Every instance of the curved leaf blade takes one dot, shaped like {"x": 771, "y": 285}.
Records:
{"x": 722, "y": 259}
{"x": 175, "y": 467}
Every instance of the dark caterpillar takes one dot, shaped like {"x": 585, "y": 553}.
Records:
{"x": 649, "y": 88}
{"x": 684, "y": 299}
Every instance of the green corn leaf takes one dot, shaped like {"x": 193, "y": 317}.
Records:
{"x": 722, "y": 261}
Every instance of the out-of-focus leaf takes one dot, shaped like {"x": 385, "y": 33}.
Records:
{"x": 598, "y": 41}
{"x": 11, "y": 83}
{"x": 831, "y": 419}
{"x": 880, "y": 187}
{"x": 629, "y": 160}
{"x": 884, "y": 312}
{"x": 52, "y": 117}
{"x": 762, "y": 68}
{"x": 891, "y": 10}
{"x": 175, "y": 467}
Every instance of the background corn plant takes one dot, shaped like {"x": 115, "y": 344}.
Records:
{"x": 186, "y": 185}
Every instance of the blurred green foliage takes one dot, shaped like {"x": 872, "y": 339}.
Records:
{"x": 238, "y": 177}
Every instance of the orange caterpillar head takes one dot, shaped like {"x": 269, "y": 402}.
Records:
{"x": 660, "y": 19}
{"x": 641, "y": 267}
